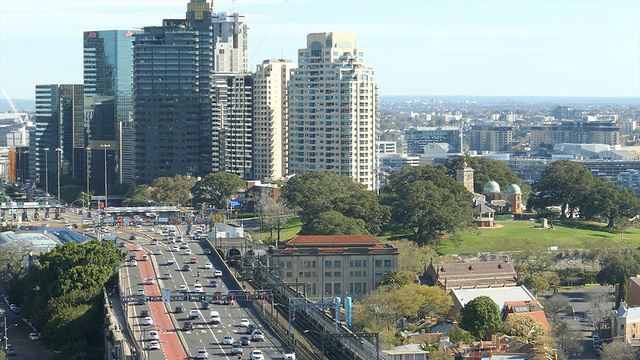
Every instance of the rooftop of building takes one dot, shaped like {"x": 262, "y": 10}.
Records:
{"x": 499, "y": 295}
{"x": 333, "y": 240}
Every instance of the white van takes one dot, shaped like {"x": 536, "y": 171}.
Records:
{"x": 214, "y": 317}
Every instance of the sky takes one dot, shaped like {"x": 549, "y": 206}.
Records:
{"x": 416, "y": 47}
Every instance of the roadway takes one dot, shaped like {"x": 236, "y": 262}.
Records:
{"x": 204, "y": 335}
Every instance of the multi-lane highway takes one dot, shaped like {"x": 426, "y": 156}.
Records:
{"x": 166, "y": 268}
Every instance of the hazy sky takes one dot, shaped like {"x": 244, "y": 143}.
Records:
{"x": 417, "y": 47}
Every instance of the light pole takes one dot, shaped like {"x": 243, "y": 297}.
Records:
{"x": 59, "y": 151}
{"x": 87, "y": 154}
{"x": 46, "y": 171}
{"x": 105, "y": 146}
{"x": 6, "y": 337}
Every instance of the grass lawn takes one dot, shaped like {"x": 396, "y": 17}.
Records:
{"x": 523, "y": 235}
{"x": 286, "y": 233}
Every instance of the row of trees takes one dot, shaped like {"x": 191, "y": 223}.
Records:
{"x": 62, "y": 295}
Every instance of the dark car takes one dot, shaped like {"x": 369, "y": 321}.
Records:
{"x": 213, "y": 283}
{"x": 251, "y": 328}
{"x": 186, "y": 267}
{"x": 188, "y": 325}
{"x": 132, "y": 237}
{"x": 179, "y": 310}
{"x": 205, "y": 305}
{"x": 144, "y": 313}
{"x": 207, "y": 251}
{"x": 245, "y": 340}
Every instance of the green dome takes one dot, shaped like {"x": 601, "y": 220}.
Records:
{"x": 514, "y": 189}
{"x": 491, "y": 187}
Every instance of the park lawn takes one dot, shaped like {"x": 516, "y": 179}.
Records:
{"x": 286, "y": 233}
{"x": 523, "y": 236}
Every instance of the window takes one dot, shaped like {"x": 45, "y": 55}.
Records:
{"x": 337, "y": 273}
{"x": 337, "y": 288}
{"x": 327, "y": 264}
{"x": 337, "y": 264}
{"x": 378, "y": 263}
{"x": 327, "y": 289}
{"x": 387, "y": 263}
{"x": 327, "y": 273}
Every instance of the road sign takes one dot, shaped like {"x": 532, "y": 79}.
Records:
{"x": 166, "y": 295}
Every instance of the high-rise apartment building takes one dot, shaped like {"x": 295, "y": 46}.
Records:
{"x": 230, "y": 39}
{"x": 491, "y": 137}
{"x": 576, "y": 132}
{"x": 232, "y": 135}
{"x": 172, "y": 67}
{"x": 108, "y": 91}
{"x": 270, "y": 118}
{"x": 333, "y": 109}
{"x": 414, "y": 139}
{"x": 57, "y": 142}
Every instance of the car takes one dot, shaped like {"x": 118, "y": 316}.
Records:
{"x": 208, "y": 266}
{"x": 186, "y": 267}
{"x": 150, "y": 229}
{"x": 188, "y": 325}
{"x": 175, "y": 248}
{"x": 207, "y": 251}
{"x": 236, "y": 348}
{"x": 132, "y": 237}
{"x": 184, "y": 246}
{"x": 138, "y": 248}
{"x": 244, "y": 322}
{"x": 11, "y": 350}
{"x": 179, "y": 239}
{"x": 140, "y": 291}
{"x": 257, "y": 335}
{"x": 150, "y": 281}
{"x": 197, "y": 288}
{"x": 133, "y": 262}
{"x": 205, "y": 305}
{"x": 157, "y": 252}
{"x": 251, "y": 328}
{"x": 171, "y": 261}
{"x": 153, "y": 345}
{"x": 188, "y": 252}
{"x": 245, "y": 340}
{"x": 193, "y": 260}
{"x": 178, "y": 310}
{"x": 227, "y": 340}
{"x": 257, "y": 355}
{"x": 34, "y": 336}
{"x": 194, "y": 314}
{"x": 289, "y": 355}
{"x": 217, "y": 273}
{"x": 144, "y": 257}
{"x": 202, "y": 354}
{"x": 183, "y": 288}
{"x": 213, "y": 283}
{"x": 214, "y": 317}
{"x": 13, "y": 307}
{"x": 119, "y": 244}
{"x": 153, "y": 335}
{"x": 138, "y": 226}
{"x": 166, "y": 276}
{"x": 144, "y": 313}
{"x": 147, "y": 321}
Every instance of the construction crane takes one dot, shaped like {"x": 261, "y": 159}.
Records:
{"x": 22, "y": 117}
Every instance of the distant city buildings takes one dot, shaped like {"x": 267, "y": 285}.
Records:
{"x": 416, "y": 139}
{"x": 333, "y": 110}
{"x": 579, "y": 132}
{"x": 491, "y": 137}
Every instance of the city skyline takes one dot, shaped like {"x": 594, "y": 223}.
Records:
{"x": 480, "y": 48}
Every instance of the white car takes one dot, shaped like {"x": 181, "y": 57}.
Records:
{"x": 140, "y": 291}
{"x": 217, "y": 273}
{"x": 151, "y": 281}
{"x": 257, "y": 355}
{"x": 175, "y": 248}
{"x": 289, "y": 355}
{"x": 153, "y": 335}
{"x": 34, "y": 336}
{"x": 147, "y": 321}
{"x": 138, "y": 248}
{"x": 171, "y": 261}
{"x": 197, "y": 288}
{"x": 133, "y": 262}
{"x": 166, "y": 276}
{"x": 208, "y": 266}
{"x": 184, "y": 246}
{"x": 183, "y": 288}
{"x": 187, "y": 251}
{"x": 153, "y": 345}
{"x": 202, "y": 354}
{"x": 244, "y": 322}
{"x": 228, "y": 340}
{"x": 157, "y": 252}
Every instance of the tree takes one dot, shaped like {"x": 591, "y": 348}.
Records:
{"x": 318, "y": 192}
{"x": 618, "y": 265}
{"x": 172, "y": 190}
{"x": 555, "y": 306}
{"x": 485, "y": 170}
{"x": 537, "y": 284}
{"x": 600, "y": 308}
{"x": 481, "y": 318}
{"x": 618, "y": 350}
{"x": 274, "y": 214}
{"x": 563, "y": 183}
{"x": 395, "y": 279}
{"x": 412, "y": 257}
{"x": 138, "y": 196}
{"x": 457, "y": 334}
{"x": 217, "y": 188}
{"x": 524, "y": 327}
{"x": 567, "y": 338}
{"x": 12, "y": 256}
{"x": 622, "y": 292}
{"x": 68, "y": 193}
{"x": 333, "y": 223}
{"x": 427, "y": 202}
{"x": 609, "y": 201}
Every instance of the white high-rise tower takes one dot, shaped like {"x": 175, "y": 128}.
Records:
{"x": 333, "y": 109}
{"x": 230, "y": 43}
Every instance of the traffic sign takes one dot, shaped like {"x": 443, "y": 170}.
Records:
{"x": 166, "y": 295}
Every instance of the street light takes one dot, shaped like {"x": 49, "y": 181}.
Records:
{"x": 59, "y": 151}
{"x": 87, "y": 154}
{"x": 46, "y": 171}
{"x": 6, "y": 337}
{"x": 105, "y": 146}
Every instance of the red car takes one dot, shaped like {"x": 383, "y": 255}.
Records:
{"x": 194, "y": 260}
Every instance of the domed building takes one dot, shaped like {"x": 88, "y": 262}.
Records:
{"x": 509, "y": 202}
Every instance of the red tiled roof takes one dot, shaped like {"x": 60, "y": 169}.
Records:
{"x": 332, "y": 239}
{"x": 538, "y": 315}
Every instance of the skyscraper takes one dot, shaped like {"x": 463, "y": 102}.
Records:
{"x": 56, "y": 142}
{"x": 230, "y": 39}
{"x": 333, "y": 109}
{"x": 172, "y": 67}
{"x": 108, "y": 102}
{"x": 270, "y": 119}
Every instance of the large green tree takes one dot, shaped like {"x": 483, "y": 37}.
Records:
{"x": 138, "y": 196}
{"x": 564, "y": 183}
{"x": 318, "y": 192}
{"x": 485, "y": 170}
{"x": 427, "y": 202}
{"x": 481, "y": 318}
{"x": 618, "y": 265}
{"x": 217, "y": 188}
{"x": 609, "y": 201}
{"x": 172, "y": 190}
{"x": 524, "y": 327}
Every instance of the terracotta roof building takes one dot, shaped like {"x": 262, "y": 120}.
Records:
{"x": 469, "y": 275}
{"x": 336, "y": 265}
